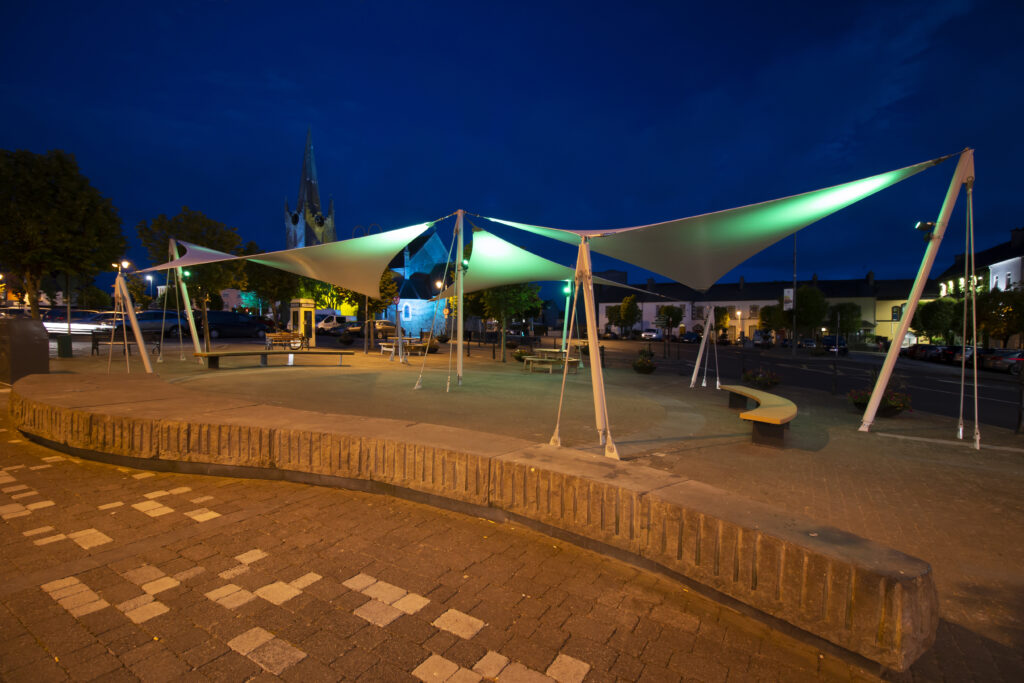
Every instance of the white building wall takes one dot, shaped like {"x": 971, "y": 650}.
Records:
{"x": 1004, "y": 271}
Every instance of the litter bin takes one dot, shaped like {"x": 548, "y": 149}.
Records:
{"x": 24, "y": 349}
{"x": 63, "y": 346}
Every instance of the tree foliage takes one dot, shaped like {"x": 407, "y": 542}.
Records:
{"x": 53, "y": 220}
{"x": 774, "y": 318}
{"x": 673, "y": 316}
{"x": 614, "y": 317}
{"x": 849, "y": 316}
{"x": 1001, "y": 314}
{"x": 629, "y": 312}
{"x": 192, "y": 226}
{"x": 506, "y": 302}
{"x": 811, "y": 307}
{"x": 936, "y": 319}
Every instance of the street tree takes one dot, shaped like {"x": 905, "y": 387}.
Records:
{"x": 848, "y": 315}
{"x": 936, "y": 319}
{"x": 507, "y": 302}
{"x": 52, "y": 220}
{"x": 722, "y": 319}
{"x": 811, "y": 307}
{"x": 614, "y": 316}
{"x": 773, "y": 318}
{"x": 192, "y": 226}
{"x": 629, "y": 313}
{"x": 673, "y": 316}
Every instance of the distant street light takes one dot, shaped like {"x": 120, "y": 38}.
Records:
{"x": 149, "y": 285}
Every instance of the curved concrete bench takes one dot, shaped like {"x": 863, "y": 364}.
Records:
{"x": 770, "y": 418}
{"x": 864, "y": 597}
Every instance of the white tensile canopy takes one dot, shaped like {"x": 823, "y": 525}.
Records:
{"x": 697, "y": 251}
{"x": 354, "y": 264}
{"x": 495, "y": 262}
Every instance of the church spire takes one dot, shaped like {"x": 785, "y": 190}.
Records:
{"x": 309, "y": 188}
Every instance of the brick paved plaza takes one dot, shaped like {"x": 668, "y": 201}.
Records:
{"x": 111, "y": 572}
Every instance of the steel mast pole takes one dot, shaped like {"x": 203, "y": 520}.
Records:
{"x": 585, "y": 280}
{"x": 460, "y": 271}
{"x": 964, "y": 172}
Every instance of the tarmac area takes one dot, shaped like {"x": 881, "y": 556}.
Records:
{"x": 909, "y": 484}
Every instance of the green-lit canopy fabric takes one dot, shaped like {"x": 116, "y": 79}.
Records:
{"x": 697, "y": 251}
{"x": 354, "y": 264}
{"x": 495, "y": 262}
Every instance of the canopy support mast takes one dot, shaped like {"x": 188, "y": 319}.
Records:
{"x": 964, "y": 173}
{"x": 585, "y": 280}
{"x": 186, "y": 302}
{"x": 460, "y": 272}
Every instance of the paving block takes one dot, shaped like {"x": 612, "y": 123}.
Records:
{"x": 491, "y": 664}
{"x": 435, "y": 668}
{"x": 147, "y": 612}
{"x": 278, "y": 592}
{"x": 250, "y": 640}
{"x": 359, "y": 582}
{"x": 162, "y": 584}
{"x": 144, "y": 574}
{"x": 305, "y": 580}
{"x": 385, "y": 592}
{"x": 411, "y": 603}
{"x": 566, "y": 669}
{"x": 276, "y": 655}
{"x": 377, "y": 613}
{"x": 251, "y": 556}
{"x": 459, "y": 623}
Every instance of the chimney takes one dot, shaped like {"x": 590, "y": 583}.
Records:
{"x": 1017, "y": 238}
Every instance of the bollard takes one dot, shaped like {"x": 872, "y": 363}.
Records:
{"x": 64, "y": 346}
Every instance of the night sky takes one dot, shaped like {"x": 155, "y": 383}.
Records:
{"x": 564, "y": 114}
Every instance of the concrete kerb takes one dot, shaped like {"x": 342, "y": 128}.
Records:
{"x": 864, "y": 597}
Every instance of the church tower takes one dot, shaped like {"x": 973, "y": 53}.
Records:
{"x": 307, "y": 225}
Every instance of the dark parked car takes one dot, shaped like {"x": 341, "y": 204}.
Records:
{"x": 231, "y": 324}
{"x": 829, "y": 342}
{"x": 154, "y": 321}
{"x": 690, "y": 338}
{"x": 1004, "y": 360}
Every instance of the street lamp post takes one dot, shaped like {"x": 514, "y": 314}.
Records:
{"x": 739, "y": 338}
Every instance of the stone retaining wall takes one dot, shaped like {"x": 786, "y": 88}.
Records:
{"x": 864, "y": 597}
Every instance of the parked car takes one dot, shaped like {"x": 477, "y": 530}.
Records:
{"x": 1004, "y": 360}
{"x": 690, "y": 338}
{"x": 231, "y": 324}
{"x": 154, "y": 321}
{"x": 829, "y": 342}
{"x": 651, "y": 334}
{"x": 55, "y": 321}
{"x": 806, "y": 344}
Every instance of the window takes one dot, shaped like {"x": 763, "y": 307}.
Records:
{"x": 896, "y": 311}
{"x": 754, "y": 310}
{"x": 995, "y": 283}
{"x": 405, "y": 312}
{"x": 1009, "y": 281}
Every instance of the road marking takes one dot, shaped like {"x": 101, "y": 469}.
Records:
{"x": 947, "y": 442}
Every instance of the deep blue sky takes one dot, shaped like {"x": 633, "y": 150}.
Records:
{"x": 566, "y": 114}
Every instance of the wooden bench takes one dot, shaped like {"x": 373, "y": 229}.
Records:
{"x": 549, "y": 363}
{"x": 213, "y": 357}
{"x": 292, "y": 340}
{"x": 102, "y": 338}
{"x": 770, "y": 418}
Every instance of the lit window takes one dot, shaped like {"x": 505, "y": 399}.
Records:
{"x": 1009, "y": 281}
{"x": 405, "y": 312}
{"x": 942, "y": 289}
{"x": 995, "y": 283}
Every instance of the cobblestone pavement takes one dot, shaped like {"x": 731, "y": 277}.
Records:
{"x": 109, "y": 573}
